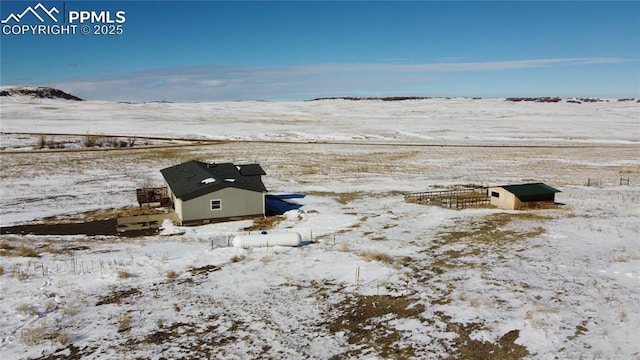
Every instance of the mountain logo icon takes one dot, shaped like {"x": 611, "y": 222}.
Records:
{"x": 39, "y": 11}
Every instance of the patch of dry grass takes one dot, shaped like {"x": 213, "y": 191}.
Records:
{"x": 492, "y": 229}
{"x": 480, "y": 236}
{"x": 27, "y": 309}
{"x": 464, "y": 347}
{"x": 464, "y": 245}
{"x": 34, "y": 334}
{"x": 377, "y": 256}
{"x": 364, "y": 320}
{"x": 342, "y": 198}
{"x": 264, "y": 223}
{"x": 171, "y": 275}
{"x": 7, "y": 249}
{"x": 124, "y": 324}
{"x": 124, "y": 274}
{"x": 344, "y": 247}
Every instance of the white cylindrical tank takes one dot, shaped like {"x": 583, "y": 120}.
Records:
{"x": 264, "y": 240}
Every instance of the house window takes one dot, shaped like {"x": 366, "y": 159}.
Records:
{"x": 495, "y": 194}
{"x": 216, "y": 205}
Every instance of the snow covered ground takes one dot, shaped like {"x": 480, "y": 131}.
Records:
{"x": 384, "y": 279}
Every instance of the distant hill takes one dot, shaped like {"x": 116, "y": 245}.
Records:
{"x": 547, "y": 99}
{"x": 38, "y": 92}
{"x": 541, "y": 99}
{"x": 388, "y": 98}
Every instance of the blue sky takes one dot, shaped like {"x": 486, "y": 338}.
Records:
{"x": 216, "y": 50}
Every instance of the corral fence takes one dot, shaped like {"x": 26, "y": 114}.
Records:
{"x": 452, "y": 198}
{"x": 603, "y": 183}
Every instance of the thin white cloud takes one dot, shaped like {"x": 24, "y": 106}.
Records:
{"x": 216, "y": 83}
{"x": 212, "y": 82}
{"x": 461, "y": 66}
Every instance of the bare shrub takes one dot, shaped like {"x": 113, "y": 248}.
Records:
{"x": 1, "y": 270}
{"x": 112, "y": 142}
{"x": 27, "y": 309}
{"x": 18, "y": 273}
{"x": 97, "y": 140}
{"x": 50, "y": 306}
{"x": 26, "y": 251}
{"x": 71, "y": 309}
{"x": 61, "y": 337}
{"x": 345, "y": 198}
{"x": 377, "y": 256}
{"x": 402, "y": 261}
{"x": 124, "y": 324}
{"x": 34, "y": 335}
{"x": 171, "y": 275}
{"x": 236, "y": 258}
{"x": 124, "y": 274}
{"x": 90, "y": 141}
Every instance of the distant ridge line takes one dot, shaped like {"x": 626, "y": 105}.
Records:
{"x": 539, "y": 99}
{"x": 385, "y": 98}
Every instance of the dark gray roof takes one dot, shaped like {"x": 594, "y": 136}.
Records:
{"x": 251, "y": 170}
{"x": 530, "y": 189}
{"x": 194, "y": 178}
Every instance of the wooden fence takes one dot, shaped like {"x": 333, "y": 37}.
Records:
{"x": 465, "y": 202}
{"x": 452, "y": 198}
{"x": 602, "y": 183}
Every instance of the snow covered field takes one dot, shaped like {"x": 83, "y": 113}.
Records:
{"x": 385, "y": 279}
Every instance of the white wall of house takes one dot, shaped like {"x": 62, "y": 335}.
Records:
{"x": 177, "y": 206}
{"x": 502, "y": 198}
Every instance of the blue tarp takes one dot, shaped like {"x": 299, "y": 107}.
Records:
{"x": 277, "y": 204}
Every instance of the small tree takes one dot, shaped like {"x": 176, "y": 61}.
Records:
{"x": 89, "y": 141}
{"x": 42, "y": 142}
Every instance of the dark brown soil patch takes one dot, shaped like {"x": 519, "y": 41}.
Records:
{"x": 117, "y": 296}
{"x": 71, "y": 352}
{"x": 364, "y": 322}
{"x": 467, "y": 348}
{"x": 98, "y": 227}
{"x": 204, "y": 270}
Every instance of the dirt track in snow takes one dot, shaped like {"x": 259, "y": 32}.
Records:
{"x": 180, "y": 142}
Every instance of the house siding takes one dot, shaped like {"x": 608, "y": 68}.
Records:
{"x": 235, "y": 202}
{"x": 177, "y": 206}
{"x": 505, "y": 200}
